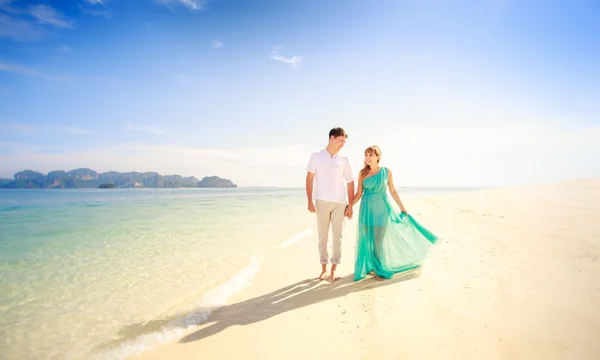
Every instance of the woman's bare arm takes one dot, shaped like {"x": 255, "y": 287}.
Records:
{"x": 393, "y": 191}
{"x": 359, "y": 190}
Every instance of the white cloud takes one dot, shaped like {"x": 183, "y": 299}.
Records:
{"x": 47, "y": 15}
{"x": 252, "y": 157}
{"x": 189, "y": 4}
{"x": 34, "y": 73}
{"x": 33, "y": 128}
{"x": 30, "y": 72}
{"x": 64, "y": 49}
{"x": 78, "y": 131}
{"x": 482, "y": 155}
{"x": 19, "y": 29}
{"x": 93, "y": 12}
{"x": 293, "y": 61}
{"x": 237, "y": 164}
{"x": 418, "y": 156}
{"x": 146, "y": 129}
{"x": 216, "y": 44}
{"x": 94, "y": 2}
{"x": 13, "y": 126}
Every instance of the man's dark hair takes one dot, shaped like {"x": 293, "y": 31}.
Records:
{"x": 337, "y": 131}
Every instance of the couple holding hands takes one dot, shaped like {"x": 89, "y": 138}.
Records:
{"x": 388, "y": 241}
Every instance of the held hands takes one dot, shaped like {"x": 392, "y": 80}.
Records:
{"x": 348, "y": 212}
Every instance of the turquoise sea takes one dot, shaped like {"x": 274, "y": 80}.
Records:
{"x": 80, "y": 270}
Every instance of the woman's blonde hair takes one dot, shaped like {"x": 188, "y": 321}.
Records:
{"x": 373, "y": 149}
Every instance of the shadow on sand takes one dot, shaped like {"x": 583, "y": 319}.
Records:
{"x": 295, "y": 296}
{"x": 291, "y": 297}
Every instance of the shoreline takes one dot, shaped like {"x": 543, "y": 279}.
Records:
{"x": 152, "y": 335}
{"x": 513, "y": 276}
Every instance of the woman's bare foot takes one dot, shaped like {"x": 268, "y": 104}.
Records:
{"x": 379, "y": 278}
{"x": 372, "y": 273}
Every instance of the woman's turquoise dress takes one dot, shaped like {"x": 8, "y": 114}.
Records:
{"x": 388, "y": 241}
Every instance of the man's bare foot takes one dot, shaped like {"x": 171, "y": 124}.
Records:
{"x": 322, "y": 276}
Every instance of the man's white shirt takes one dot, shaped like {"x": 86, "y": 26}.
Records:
{"x": 332, "y": 173}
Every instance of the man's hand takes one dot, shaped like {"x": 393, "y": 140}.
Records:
{"x": 348, "y": 212}
{"x": 311, "y": 207}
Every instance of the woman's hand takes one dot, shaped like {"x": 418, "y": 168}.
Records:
{"x": 348, "y": 212}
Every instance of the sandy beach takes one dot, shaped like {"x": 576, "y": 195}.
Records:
{"x": 514, "y": 276}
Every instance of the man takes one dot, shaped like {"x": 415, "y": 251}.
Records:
{"x": 331, "y": 174}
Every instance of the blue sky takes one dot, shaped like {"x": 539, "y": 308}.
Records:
{"x": 456, "y": 93}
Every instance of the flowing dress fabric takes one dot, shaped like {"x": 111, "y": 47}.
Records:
{"x": 388, "y": 241}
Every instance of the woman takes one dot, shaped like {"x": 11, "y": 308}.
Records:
{"x": 388, "y": 241}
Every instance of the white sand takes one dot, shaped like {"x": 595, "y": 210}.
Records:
{"x": 515, "y": 276}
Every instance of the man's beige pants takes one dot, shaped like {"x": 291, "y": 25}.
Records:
{"x": 330, "y": 213}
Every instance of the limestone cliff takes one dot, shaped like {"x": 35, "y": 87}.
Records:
{"x": 88, "y": 178}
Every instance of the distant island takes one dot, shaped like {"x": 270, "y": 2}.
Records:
{"x": 87, "y": 178}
